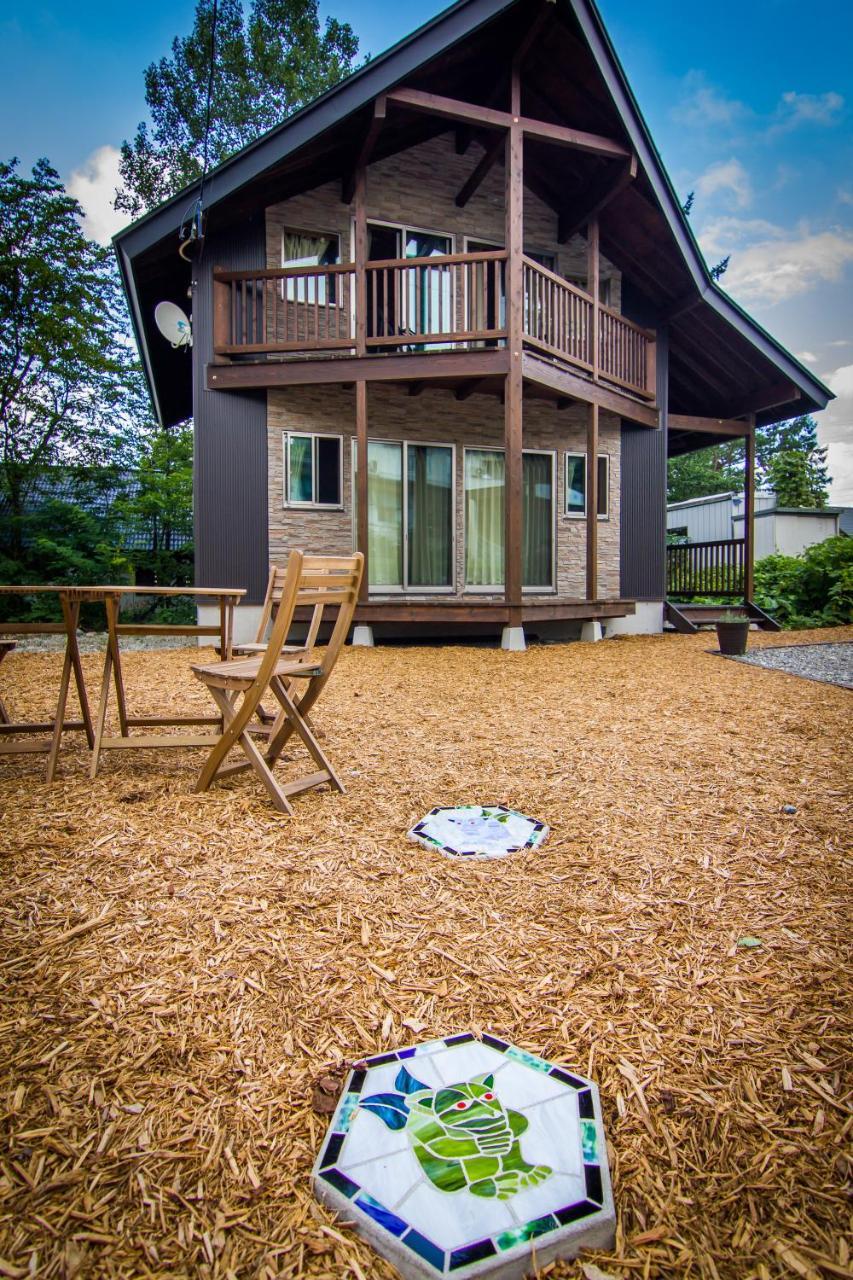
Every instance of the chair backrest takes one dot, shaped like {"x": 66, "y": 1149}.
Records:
{"x": 272, "y": 600}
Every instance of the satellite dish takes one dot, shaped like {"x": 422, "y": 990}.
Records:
{"x": 173, "y": 324}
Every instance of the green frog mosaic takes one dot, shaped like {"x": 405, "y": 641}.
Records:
{"x": 462, "y": 1135}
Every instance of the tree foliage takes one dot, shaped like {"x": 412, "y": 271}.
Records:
{"x": 268, "y": 63}
{"x": 814, "y": 589}
{"x": 70, "y": 388}
{"x": 719, "y": 468}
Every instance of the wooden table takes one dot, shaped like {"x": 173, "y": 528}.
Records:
{"x": 111, "y": 598}
{"x": 71, "y": 598}
{"x": 58, "y": 725}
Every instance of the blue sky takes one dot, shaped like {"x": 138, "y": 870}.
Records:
{"x": 749, "y": 101}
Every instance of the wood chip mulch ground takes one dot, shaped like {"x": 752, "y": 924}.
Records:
{"x": 184, "y": 978}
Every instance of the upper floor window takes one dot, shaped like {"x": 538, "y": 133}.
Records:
{"x": 309, "y": 249}
{"x": 576, "y": 485}
{"x": 312, "y": 469}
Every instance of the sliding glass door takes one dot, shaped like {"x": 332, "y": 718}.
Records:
{"x": 415, "y": 301}
{"x": 484, "y": 519}
{"x": 409, "y": 516}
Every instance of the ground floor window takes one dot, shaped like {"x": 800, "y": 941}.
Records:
{"x": 484, "y": 518}
{"x": 576, "y": 484}
{"x": 312, "y": 469}
{"x": 410, "y": 539}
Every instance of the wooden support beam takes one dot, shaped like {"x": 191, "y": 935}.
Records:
{"x": 592, "y": 502}
{"x": 420, "y": 367}
{"x": 484, "y": 166}
{"x": 415, "y": 388}
{"x": 464, "y": 135}
{"x": 373, "y": 131}
{"x": 435, "y": 104}
{"x": 593, "y": 288}
{"x": 716, "y": 426}
{"x": 756, "y": 402}
{"x": 687, "y": 302}
{"x": 471, "y": 388}
{"x": 749, "y": 515}
{"x": 564, "y": 403}
{"x": 513, "y": 390}
{"x": 360, "y": 257}
{"x": 597, "y": 196}
{"x": 361, "y": 533}
{"x": 567, "y": 383}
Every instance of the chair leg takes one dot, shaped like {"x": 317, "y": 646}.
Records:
{"x": 299, "y": 726}
{"x": 227, "y": 705}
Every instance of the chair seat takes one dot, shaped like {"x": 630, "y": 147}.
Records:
{"x": 240, "y": 672}
{"x": 254, "y": 646}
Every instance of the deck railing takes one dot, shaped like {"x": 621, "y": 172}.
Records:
{"x": 706, "y": 568}
{"x": 455, "y": 300}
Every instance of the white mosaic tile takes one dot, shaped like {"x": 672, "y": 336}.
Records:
{"x": 459, "y": 1157}
{"x": 478, "y": 831}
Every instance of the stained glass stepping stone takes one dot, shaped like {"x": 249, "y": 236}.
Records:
{"x": 466, "y": 1157}
{"x": 478, "y": 831}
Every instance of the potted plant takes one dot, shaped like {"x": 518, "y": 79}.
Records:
{"x": 732, "y": 633}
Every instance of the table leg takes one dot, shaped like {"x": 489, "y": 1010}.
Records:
{"x": 70, "y": 613}
{"x": 112, "y": 608}
{"x": 101, "y": 718}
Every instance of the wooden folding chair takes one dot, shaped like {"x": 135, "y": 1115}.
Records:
{"x": 238, "y": 686}
{"x": 269, "y": 612}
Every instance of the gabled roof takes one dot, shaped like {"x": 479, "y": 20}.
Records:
{"x": 714, "y": 343}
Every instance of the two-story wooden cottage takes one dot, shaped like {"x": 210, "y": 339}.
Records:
{"x": 452, "y": 314}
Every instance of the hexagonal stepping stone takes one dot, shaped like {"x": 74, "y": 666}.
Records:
{"x": 466, "y": 1157}
{"x": 478, "y": 831}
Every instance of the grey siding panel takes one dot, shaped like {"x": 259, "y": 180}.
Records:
{"x": 643, "y": 532}
{"x": 230, "y": 464}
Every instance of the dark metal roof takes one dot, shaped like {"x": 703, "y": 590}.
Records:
{"x": 720, "y": 358}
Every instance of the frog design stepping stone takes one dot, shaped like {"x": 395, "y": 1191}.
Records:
{"x": 463, "y": 1157}
{"x": 478, "y": 831}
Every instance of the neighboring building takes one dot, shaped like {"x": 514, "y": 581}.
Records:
{"x": 778, "y": 530}
{"x": 452, "y": 314}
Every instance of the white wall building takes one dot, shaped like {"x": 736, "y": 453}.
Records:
{"x": 778, "y": 530}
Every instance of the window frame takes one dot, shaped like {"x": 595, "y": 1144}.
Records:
{"x": 337, "y": 299}
{"x": 292, "y": 505}
{"x": 498, "y": 588}
{"x": 581, "y": 515}
{"x": 405, "y": 588}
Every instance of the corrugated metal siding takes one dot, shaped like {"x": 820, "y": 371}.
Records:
{"x": 643, "y": 529}
{"x": 231, "y": 535}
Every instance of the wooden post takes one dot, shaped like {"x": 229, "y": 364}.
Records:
{"x": 749, "y": 513}
{"x": 515, "y": 332}
{"x": 592, "y": 502}
{"x": 593, "y": 274}
{"x": 361, "y": 479}
{"x": 221, "y": 315}
{"x": 360, "y": 267}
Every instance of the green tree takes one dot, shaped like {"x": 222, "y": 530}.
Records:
{"x": 160, "y": 502}
{"x": 266, "y": 65}
{"x": 797, "y": 479}
{"x": 720, "y": 467}
{"x": 68, "y": 376}
{"x": 714, "y": 470}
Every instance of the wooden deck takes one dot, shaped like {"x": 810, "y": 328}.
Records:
{"x": 494, "y": 613}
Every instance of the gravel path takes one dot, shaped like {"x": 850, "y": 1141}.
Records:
{"x": 830, "y": 663}
{"x": 96, "y": 642}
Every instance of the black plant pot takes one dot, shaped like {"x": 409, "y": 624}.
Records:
{"x": 732, "y": 637}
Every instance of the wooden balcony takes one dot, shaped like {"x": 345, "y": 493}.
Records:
{"x": 457, "y": 302}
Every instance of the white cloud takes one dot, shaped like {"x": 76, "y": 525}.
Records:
{"x": 835, "y": 430}
{"x": 780, "y": 265}
{"x": 701, "y": 104}
{"x": 807, "y": 357}
{"x": 809, "y": 108}
{"x": 94, "y": 185}
{"x": 729, "y": 177}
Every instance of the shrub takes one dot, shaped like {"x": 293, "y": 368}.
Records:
{"x": 814, "y": 589}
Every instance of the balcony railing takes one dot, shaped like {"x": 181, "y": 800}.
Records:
{"x": 413, "y": 304}
{"x": 706, "y": 568}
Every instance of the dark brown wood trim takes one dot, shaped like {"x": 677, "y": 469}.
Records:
{"x": 776, "y": 394}
{"x": 749, "y": 515}
{"x": 360, "y": 255}
{"x": 453, "y": 109}
{"x": 513, "y": 387}
{"x": 592, "y": 502}
{"x": 718, "y": 426}
{"x": 575, "y": 387}
{"x": 393, "y": 368}
{"x": 484, "y": 166}
{"x": 361, "y": 481}
{"x": 373, "y": 130}
{"x": 597, "y": 196}
{"x": 593, "y": 283}
{"x": 484, "y": 611}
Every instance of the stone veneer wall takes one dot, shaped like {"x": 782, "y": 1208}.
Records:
{"x": 436, "y": 416}
{"x": 418, "y": 188}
